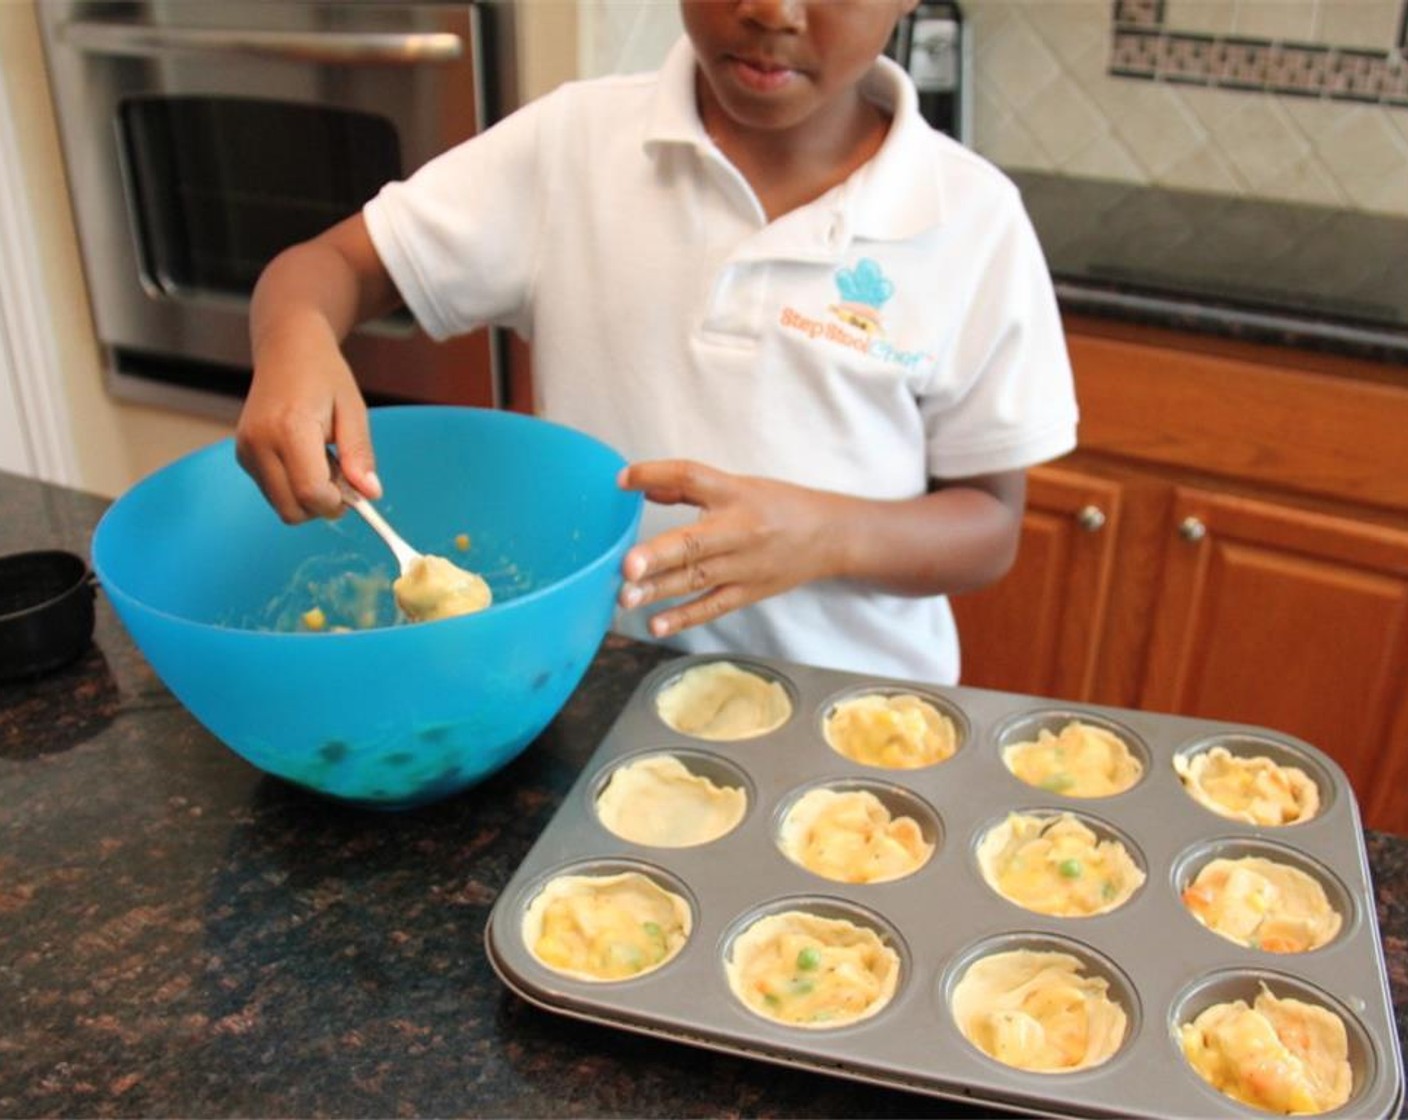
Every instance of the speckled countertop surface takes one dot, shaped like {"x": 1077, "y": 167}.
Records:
{"x": 1258, "y": 271}
{"x": 182, "y": 936}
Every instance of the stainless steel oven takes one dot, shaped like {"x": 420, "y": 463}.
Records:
{"x": 202, "y": 138}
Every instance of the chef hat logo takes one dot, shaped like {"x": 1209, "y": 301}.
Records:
{"x": 864, "y": 284}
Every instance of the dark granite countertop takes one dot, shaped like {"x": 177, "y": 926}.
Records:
{"x": 183, "y": 936}
{"x": 1311, "y": 277}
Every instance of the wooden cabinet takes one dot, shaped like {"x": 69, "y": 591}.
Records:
{"x": 1230, "y": 540}
{"x": 1286, "y": 617}
{"x": 1040, "y": 630}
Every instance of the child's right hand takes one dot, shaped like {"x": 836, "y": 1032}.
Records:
{"x": 303, "y": 398}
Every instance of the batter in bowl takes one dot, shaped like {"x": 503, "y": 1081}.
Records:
{"x": 432, "y": 588}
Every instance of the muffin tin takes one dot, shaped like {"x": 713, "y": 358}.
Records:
{"x": 1162, "y": 965}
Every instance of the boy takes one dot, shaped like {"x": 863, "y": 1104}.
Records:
{"x": 823, "y": 333}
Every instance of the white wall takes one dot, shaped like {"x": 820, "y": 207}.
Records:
{"x": 111, "y": 444}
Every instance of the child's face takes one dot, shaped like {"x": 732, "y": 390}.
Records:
{"x": 771, "y": 65}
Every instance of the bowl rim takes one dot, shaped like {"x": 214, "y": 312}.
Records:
{"x": 113, "y": 590}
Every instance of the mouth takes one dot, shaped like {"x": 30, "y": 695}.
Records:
{"x": 761, "y": 75}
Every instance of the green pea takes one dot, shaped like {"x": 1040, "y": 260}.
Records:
{"x": 653, "y": 930}
{"x": 808, "y": 959}
{"x": 1069, "y": 868}
{"x": 1058, "y": 783}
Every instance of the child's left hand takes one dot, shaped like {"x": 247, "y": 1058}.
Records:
{"x": 755, "y": 538}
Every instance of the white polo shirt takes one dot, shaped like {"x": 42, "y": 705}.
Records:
{"x": 901, "y": 327}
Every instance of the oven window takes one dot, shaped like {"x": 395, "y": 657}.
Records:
{"x": 220, "y": 184}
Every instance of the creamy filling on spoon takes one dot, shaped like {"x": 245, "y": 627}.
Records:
{"x": 432, "y": 587}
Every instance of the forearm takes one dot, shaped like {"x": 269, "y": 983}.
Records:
{"x": 955, "y": 539}
{"x": 318, "y": 290}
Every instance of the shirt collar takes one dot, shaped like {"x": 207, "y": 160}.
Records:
{"x": 896, "y": 195}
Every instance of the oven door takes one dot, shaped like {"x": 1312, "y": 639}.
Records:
{"x": 204, "y": 138}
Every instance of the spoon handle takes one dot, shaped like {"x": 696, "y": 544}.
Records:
{"x": 355, "y": 501}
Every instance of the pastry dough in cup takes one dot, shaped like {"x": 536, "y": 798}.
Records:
{"x": 1255, "y": 789}
{"x": 1038, "y": 1011}
{"x": 849, "y": 836}
{"x": 1082, "y": 760}
{"x": 659, "y": 802}
{"x": 1057, "y": 865}
{"x": 721, "y": 701}
{"x": 605, "y": 927}
{"x": 897, "y": 731}
{"x": 1280, "y": 1055}
{"x": 809, "y": 971}
{"x": 1262, "y": 904}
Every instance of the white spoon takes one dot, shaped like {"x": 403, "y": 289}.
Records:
{"x": 404, "y": 553}
{"x": 429, "y": 587}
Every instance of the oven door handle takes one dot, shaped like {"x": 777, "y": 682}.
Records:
{"x": 346, "y": 48}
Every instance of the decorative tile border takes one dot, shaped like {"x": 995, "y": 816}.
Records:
{"x": 1143, "y": 48}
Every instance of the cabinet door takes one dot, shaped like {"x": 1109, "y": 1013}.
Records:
{"x": 1038, "y": 629}
{"x": 1290, "y": 619}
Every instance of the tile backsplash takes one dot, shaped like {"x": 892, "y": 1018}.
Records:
{"x": 1291, "y": 100}
{"x": 1288, "y": 100}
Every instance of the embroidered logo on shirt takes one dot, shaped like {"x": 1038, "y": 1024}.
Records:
{"x": 858, "y": 324}
{"x": 863, "y": 289}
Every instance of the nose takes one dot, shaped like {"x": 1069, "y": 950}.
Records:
{"x": 775, "y": 15}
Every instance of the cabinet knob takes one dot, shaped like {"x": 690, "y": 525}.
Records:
{"x": 1090, "y": 518}
{"x": 1192, "y": 529}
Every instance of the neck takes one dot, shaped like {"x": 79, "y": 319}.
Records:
{"x": 788, "y": 168}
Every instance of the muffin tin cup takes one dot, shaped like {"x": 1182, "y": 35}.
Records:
{"x": 937, "y": 916}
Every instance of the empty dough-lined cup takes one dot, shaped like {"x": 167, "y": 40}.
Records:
{"x": 672, "y": 800}
{"x": 892, "y": 729}
{"x": 604, "y": 927}
{"x": 1059, "y": 864}
{"x": 812, "y": 966}
{"x": 858, "y": 833}
{"x": 721, "y": 700}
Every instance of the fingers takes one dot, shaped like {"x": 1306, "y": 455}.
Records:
{"x": 353, "y": 438}
{"x": 706, "y": 608}
{"x": 689, "y": 558}
{"x": 673, "y": 481}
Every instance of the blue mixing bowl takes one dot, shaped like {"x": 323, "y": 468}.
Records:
{"x": 214, "y": 589}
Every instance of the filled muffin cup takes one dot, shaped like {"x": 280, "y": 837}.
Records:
{"x": 894, "y": 728}
{"x": 1254, "y": 779}
{"x": 1263, "y": 895}
{"x": 813, "y": 963}
{"x": 857, "y": 831}
{"x": 1215, "y": 1017}
{"x": 1072, "y": 753}
{"x": 1041, "y": 1003}
{"x": 1059, "y": 863}
{"x": 606, "y": 921}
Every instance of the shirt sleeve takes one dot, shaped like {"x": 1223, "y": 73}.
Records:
{"x": 1016, "y": 405}
{"x": 460, "y": 236}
